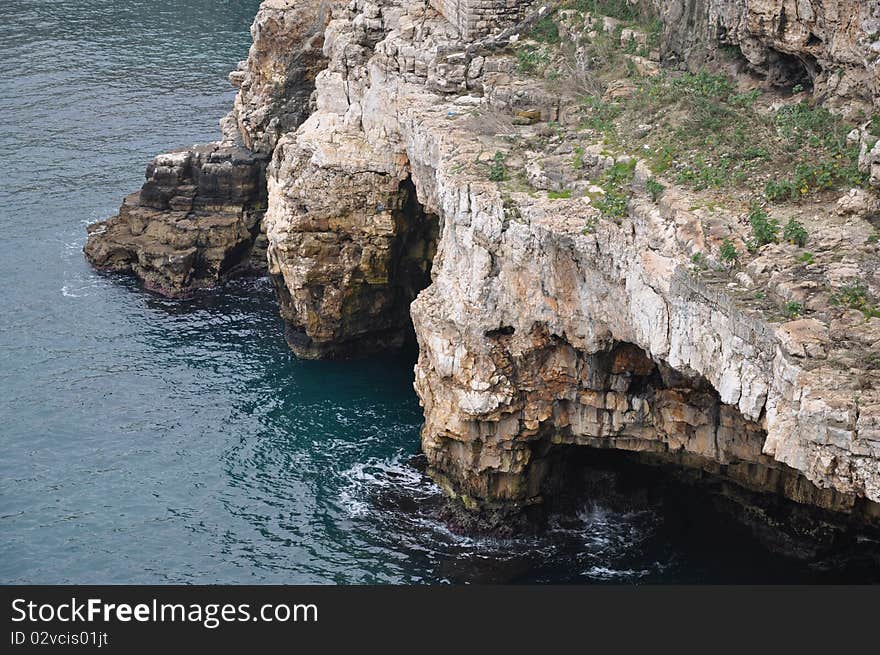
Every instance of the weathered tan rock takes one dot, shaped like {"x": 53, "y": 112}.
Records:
{"x": 349, "y": 246}
{"x": 198, "y": 219}
{"x": 536, "y": 333}
{"x": 195, "y": 222}
{"x": 833, "y": 46}
{"x": 277, "y": 79}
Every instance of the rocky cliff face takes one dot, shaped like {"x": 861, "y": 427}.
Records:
{"x": 198, "y": 220}
{"x": 543, "y": 323}
{"x": 533, "y": 333}
{"x": 832, "y": 46}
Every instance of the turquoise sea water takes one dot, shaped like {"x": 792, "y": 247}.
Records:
{"x": 148, "y": 440}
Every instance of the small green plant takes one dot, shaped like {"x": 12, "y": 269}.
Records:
{"x": 699, "y": 261}
{"x": 874, "y": 238}
{"x": 806, "y": 258}
{"x": 616, "y": 183}
{"x": 795, "y": 232}
{"x": 498, "y": 168}
{"x": 778, "y": 191}
{"x": 854, "y": 295}
{"x": 577, "y": 162}
{"x": 654, "y": 188}
{"x": 546, "y": 30}
{"x": 530, "y": 61}
{"x": 601, "y": 115}
{"x": 729, "y": 253}
{"x": 559, "y": 195}
{"x": 764, "y": 229}
{"x": 793, "y": 309}
{"x": 613, "y": 205}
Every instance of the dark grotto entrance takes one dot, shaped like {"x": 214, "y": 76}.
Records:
{"x": 413, "y": 256}
{"x": 699, "y": 463}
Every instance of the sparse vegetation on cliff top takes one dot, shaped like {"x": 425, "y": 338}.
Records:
{"x": 703, "y": 130}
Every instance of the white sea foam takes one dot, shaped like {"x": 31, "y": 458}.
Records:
{"x": 394, "y": 472}
{"x": 605, "y": 573}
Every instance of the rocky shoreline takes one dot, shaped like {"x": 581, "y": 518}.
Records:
{"x": 370, "y": 155}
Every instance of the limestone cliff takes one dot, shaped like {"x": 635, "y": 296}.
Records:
{"x": 566, "y": 289}
{"x": 536, "y": 332}
{"x": 198, "y": 220}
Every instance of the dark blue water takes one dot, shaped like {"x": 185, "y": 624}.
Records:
{"x": 148, "y": 440}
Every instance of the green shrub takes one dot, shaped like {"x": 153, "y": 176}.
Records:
{"x": 764, "y": 230}
{"x": 613, "y": 205}
{"x": 806, "y": 258}
{"x": 546, "y": 30}
{"x": 559, "y": 195}
{"x": 793, "y": 309}
{"x": 498, "y": 168}
{"x": 779, "y": 191}
{"x": 854, "y": 295}
{"x": 795, "y": 232}
{"x": 729, "y": 253}
{"x": 601, "y": 115}
{"x": 655, "y": 189}
{"x": 530, "y": 61}
{"x": 616, "y": 182}
{"x": 704, "y": 174}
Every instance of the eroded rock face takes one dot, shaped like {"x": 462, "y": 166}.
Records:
{"x": 501, "y": 385}
{"x": 195, "y": 222}
{"x": 350, "y": 246}
{"x": 535, "y": 332}
{"x": 277, "y": 79}
{"x": 833, "y": 46}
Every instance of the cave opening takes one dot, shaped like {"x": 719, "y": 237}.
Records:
{"x": 413, "y": 257}
{"x": 788, "y": 71}
{"x": 361, "y": 281}
{"x": 652, "y": 436}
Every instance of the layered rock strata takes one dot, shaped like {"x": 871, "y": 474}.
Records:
{"x": 198, "y": 219}
{"x": 541, "y": 324}
{"x": 535, "y": 332}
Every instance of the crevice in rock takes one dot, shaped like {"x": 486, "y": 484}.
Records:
{"x": 413, "y": 254}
